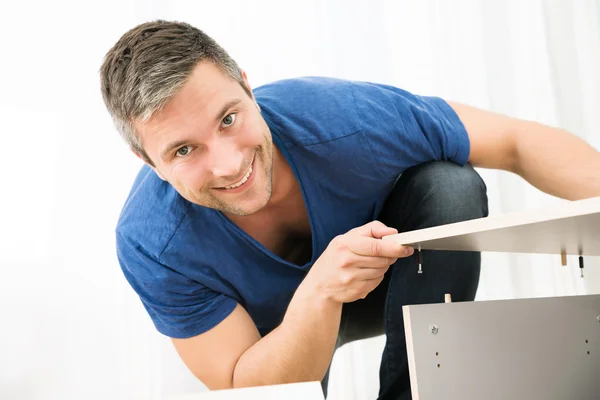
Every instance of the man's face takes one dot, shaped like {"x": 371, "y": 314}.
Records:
{"x": 212, "y": 144}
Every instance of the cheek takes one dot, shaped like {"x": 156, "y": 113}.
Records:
{"x": 252, "y": 132}
{"x": 189, "y": 173}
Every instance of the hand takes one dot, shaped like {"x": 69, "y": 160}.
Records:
{"x": 355, "y": 263}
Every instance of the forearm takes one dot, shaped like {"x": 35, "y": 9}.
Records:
{"x": 298, "y": 350}
{"x": 557, "y": 162}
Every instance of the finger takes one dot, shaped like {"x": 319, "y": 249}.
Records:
{"x": 357, "y": 261}
{"x": 367, "y": 274}
{"x": 380, "y": 230}
{"x": 362, "y": 276}
{"x": 375, "y": 229}
{"x": 372, "y": 247}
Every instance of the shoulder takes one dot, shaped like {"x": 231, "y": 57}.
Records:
{"x": 152, "y": 213}
{"x": 309, "y": 110}
{"x": 307, "y": 95}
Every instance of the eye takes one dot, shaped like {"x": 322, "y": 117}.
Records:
{"x": 228, "y": 120}
{"x": 183, "y": 151}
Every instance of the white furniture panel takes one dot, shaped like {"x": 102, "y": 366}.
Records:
{"x": 547, "y": 348}
{"x": 572, "y": 227}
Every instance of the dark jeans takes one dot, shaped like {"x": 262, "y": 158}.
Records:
{"x": 427, "y": 195}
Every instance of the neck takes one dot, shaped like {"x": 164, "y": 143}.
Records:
{"x": 284, "y": 181}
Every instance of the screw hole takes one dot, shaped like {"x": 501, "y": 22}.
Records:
{"x": 436, "y": 353}
{"x": 438, "y": 365}
{"x": 588, "y": 352}
{"x": 586, "y": 340}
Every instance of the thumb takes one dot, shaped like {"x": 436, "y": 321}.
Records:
{"x": 378, "y": 233}
{"x": 375, "y": 229}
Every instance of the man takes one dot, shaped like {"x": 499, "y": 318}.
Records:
{"x": 253, "y": 233}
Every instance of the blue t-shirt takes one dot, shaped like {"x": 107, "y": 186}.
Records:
{"x": 347, "y": 143}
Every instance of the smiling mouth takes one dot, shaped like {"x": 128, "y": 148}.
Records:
{"x": 241, "y": 181}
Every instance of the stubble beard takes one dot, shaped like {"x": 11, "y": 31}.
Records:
{"x": 265, "y": 155}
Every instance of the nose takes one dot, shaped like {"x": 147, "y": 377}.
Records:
{"x": 225, "y": 159}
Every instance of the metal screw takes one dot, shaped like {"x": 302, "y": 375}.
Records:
{"x": 434, "y": 329}
{"x": 598, "y": 318}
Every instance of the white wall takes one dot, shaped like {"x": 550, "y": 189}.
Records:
{"x": 70, "y": 326}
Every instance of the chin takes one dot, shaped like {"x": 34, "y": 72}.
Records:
{"x": 239, "y": 208}
{"x": 248, "y": 209}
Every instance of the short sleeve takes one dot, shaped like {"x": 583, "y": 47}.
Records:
{"x": 178, "y": 306}
{"x": 404, "y": 130}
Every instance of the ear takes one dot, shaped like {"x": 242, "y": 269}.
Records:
{"x": 247, "y": 84}
{"x": 141, "y": 157}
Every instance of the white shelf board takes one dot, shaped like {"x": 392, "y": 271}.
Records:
{"x": 572, "y": 227}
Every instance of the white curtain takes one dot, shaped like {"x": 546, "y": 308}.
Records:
{"x": 71, "y": 328}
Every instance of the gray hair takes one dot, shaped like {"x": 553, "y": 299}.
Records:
{"x": 148, "y": 65}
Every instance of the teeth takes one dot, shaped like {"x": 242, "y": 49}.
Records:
{"x": 240, "y": 183}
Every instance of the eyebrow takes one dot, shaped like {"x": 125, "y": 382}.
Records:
{"x": 218, "y": 118}
{"x": 226, "y": 108}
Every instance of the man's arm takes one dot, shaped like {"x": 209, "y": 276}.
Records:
{"x": 551, "y": 159}
{"x": 233, "y": 354}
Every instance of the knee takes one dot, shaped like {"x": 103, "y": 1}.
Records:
{"x": 446, "y": 192}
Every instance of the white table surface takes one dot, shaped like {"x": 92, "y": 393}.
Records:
{"x": 291, "y": 391}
